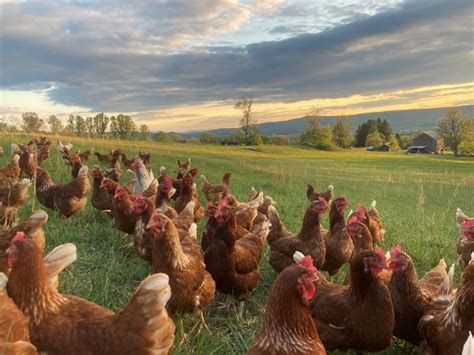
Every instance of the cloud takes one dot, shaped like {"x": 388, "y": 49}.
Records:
{"x": 141, "y": 57}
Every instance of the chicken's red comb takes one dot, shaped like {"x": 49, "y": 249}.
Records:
{"x": 467, "y": 224}
{"x": 352, "y": 218}
{"x": 360, "y": 210}
{"x": 307, "y": 262}
{"x": 138, "y": 197}
{"x": 224, "y": 202}
{"x": 18, "y": 236}
{"x": 381, "y": 254}
{"x": 395, "y": 251}
{"x": 344, "y": 197}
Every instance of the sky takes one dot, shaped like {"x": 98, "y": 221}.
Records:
{"x": 181, "y": 65}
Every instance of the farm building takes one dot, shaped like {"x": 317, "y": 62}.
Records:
{"x": 428, "y": 142}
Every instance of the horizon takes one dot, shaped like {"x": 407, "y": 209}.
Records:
{"x": 182, "y": 66}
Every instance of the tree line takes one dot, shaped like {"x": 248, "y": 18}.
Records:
{"x": 119, "y": 127}
{"x": 455, "y": 128}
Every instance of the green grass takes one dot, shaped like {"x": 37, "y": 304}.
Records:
{"x": 417, "y": 197}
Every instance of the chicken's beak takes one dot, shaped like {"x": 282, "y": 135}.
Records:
{"x": 150, "y": 224}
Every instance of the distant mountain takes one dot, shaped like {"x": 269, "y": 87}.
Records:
{"x": 404, "y": 121}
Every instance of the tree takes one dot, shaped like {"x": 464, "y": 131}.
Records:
{"x": 101, "y": 122}
{"x": 79, "y": 126}
{"x": 247, "y": 122}
{"x": 123, "y": 127}
{"x": 55, "y": 124}
{"x": 394, "y": 146}
{"x": 341, "y": 136}
{"x": 90, "y": 126}
{"x": 363, "y": 131}
{"x": 384, "y": 128}
{"x": 31, "y": 122}
{"x": 144, "y": 132}
{"x": 208, "y": 138}
{"x": 466, "y": 148}
{"x": 374, "y": 139}
{"x": 161, "y": 136}
{"x": 70, "y": 126}
{"x": 453, "y": 127}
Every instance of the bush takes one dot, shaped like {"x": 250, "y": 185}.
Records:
{"x": 466, "y": 148}
{"x": 208, "y": 138}
{"x": 280, "y": 140}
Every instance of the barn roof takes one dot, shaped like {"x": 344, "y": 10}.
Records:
{"x": 432, "y": 134}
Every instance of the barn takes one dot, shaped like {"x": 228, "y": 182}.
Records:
{"x": 428, "y": 142}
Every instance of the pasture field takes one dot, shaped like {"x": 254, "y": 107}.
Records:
{"x": 417, "y": 197}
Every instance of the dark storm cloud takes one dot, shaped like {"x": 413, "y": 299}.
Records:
{"x": 421, "y": 42}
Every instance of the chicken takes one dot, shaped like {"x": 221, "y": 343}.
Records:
{"x": 372, "y": 219}
{"x": 67, "y": 199}
{"x": 142, "y": 240}
{"x": 187, "y": 194}
{"x": 12, "y": 198}
{"x": 191, "y": 285}
{"x": 215, "y": 192}
{"x": 13, "y": 325}
{"x": 290, "y": 332}
{"x": 446, "y": 323}
{"x": 76, "y": 164}
{"x": 114, "y": 171}
{"x": 144, "y": 179}
{"x": 183, "y": 167}
{"x": 10, "y": 173}
{"x": 165, "y": 191}
{"x": 146, "y": 157}
{"x": 362, "y": 239}
{"x": 32, "y": 227}
{"x": 128, "y": 163}
{"x": 43, "y": 149}
{"x": 101, "y": 199}
{"x": 27, "y": 162}
{"x": 277, "y": 228}
{"x": 339, "y": 244}
{"x": 308, "y": 240}
{"x": 359, "y": 316}
{"x": 63, "y": 148}
{"x": 246, "y": 212}
{"x": 1, "y": 152}
{"x": 122, "y": 211}
{"x": 312, "y": 195}
{"x": 87, "y": 155}
{"x": 466, "y": 241}
{"x": 60, "y": 322}
{"x": 104, "y": 158}
{"x": 410, "y": 296}
{"x": 240, "y": 219}
{"x": 234, "y": 264}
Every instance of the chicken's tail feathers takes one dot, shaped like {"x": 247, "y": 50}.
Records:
{"x": 146, "y": 313}
{"x": 83, "y": 171}
{"x": 447, "y": 285}
{"x": 468, "y": 348}
{"x": 373, "y": 204}
{"x": 204, "y": 180}
{"x": 57, "y": 260}
{"x": 3, "y": 281}
{"x": 193, "y": 230}
{"x": 20, "y": 347}
{"x": 39, "y": 216}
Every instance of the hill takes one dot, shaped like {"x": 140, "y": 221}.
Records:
{"x": 404, "y": 121}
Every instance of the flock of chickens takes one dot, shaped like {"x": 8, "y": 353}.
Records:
{"x": 306, "y": 312}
